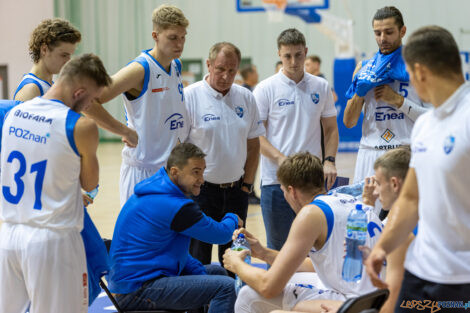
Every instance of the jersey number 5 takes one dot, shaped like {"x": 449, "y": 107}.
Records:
{"x": 39, "y": 167}
{"x": 403, "y": 89}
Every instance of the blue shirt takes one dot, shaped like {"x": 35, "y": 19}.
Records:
{"x": 153, "y": 232}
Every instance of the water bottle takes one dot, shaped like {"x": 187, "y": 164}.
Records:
{"x": 356, "y": 232}
{"x": 240, "y": 244}
{"x": 354, "y": 190}
{"x": 92, "y": 194}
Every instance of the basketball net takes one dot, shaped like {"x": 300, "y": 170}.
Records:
{"x": 275, "y": 10}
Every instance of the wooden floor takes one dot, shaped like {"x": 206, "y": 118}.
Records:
{"x": 104, "y": 211}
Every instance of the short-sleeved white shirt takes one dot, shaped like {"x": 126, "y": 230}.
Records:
{"x": 440, "y": 145}
{"x": 292, "y": 112}
{"x": 220, "y": 126}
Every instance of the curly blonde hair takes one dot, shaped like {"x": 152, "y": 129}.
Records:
{"x": 166, "y": 16}
{"x": 51, "y": 32}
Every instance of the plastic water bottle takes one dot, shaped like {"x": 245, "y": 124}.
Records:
{"x": 92, "y": 194}
{"x": 356, "y": 232}
{"x": 354, "y": 190}
{"x": 240, "y": 244}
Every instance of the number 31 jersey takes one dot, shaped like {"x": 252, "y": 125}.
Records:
{"x": 40, "y": 166}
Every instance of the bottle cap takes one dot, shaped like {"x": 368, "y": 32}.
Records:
{"x": 241, "y": 236}
{"x": 358, "y": 206}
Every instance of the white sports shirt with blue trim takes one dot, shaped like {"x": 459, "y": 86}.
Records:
{"x": 158, "y": 114}
{"x": 384, "y": 126}
{"x": 440, "y": 145}
{"x": 328, "y": 261}
{"x": 40, "y": 166}
{"x": 221, "y": 126}
{"x": 293, "y": 112}
{"x": 30, "y": 78}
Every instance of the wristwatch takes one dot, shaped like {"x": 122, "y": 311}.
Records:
{"x": 330, "y": 158}
{"x": 249, "y": 186}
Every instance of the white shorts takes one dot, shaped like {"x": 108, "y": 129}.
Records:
{"x": 131, "y": 176}
{"x": 249, "y": 301}
{"x": 365, "y": 163}
{"x": 43, "y": 268}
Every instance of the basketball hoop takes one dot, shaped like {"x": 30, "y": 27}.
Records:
{"x": 275, "y": 10}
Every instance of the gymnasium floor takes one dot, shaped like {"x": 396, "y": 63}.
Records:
{"x": 104, "y": 211}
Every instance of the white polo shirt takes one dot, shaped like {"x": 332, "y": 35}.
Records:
{"x": 440, "y": 144}
{"x": 220, "y": 126}
{"x": 293, "y": 112}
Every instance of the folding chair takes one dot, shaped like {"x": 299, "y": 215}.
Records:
{"x": 103, "y": 286}
{"x": 368, "y": 303}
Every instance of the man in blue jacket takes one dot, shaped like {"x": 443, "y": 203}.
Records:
{"x": 151, "y": 267}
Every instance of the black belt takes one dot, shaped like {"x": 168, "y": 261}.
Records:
{"x": 236, "y": 183}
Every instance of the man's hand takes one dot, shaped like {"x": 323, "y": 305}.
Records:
{"x": 280, "y": 159}
{"x": 86, "y": 200}
{"x": 231, "y": 258}
{"x": 245, "y": 189}
{"x": 385, "y": 93}
{"x": 369, "y": 196}
{"x": 374, "y": 265}
{"x": 365, "y": 252}
{"x": 257, "y": 249}
{"x": 329, "y": 170}
{"x": 240, "y": 221}
{"x": 130, "y": 138}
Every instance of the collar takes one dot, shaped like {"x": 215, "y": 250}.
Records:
{"x": 289, "y": 81}
{"x": 452, "y": 102}
{"x": 214, "y": 93}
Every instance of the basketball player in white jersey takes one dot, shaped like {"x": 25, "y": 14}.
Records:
{"x": 153, "y": 97}
{"x": 385, "y": 185}
{"x": 48, "y": 155}
{"x": 435, "y": 192}
{"x": 318, "y": 231}
{"x": 389, "y": 110}
{"x": 51, "y": 45}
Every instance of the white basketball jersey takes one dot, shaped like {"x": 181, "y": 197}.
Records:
{"x": 328, "y": 261}
{"x": 385, "y": 127}
{"x": 40, "y": 166}
{"x": 158, "y": 114}
{"x": 30, "y": 78}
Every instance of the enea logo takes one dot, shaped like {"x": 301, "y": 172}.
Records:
{"x": 210, "y": 117}
{"x": 449, "y": 144}
{"x": 388, "y": 135}
{"x": 419, "y": 147}
{"x": 315, "y": 97}
{"x": 176, "y": 121}
{"x": 385, "y": 113}
{"x": 285, "y": 102}
{"x": 239, "y": 111}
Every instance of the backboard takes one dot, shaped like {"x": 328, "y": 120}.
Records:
{"x": 305, "y": 9}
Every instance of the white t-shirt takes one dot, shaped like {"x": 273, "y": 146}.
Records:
{"x": 441, "y": 158}
{"x": 158, "y": 114}
{"x": 292, "y": 112}
{"x": 40, "y": 166}
{"x": 220, "y": 126}
{"x": 385, "y": 127}
{"x": 328, "y": 261}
